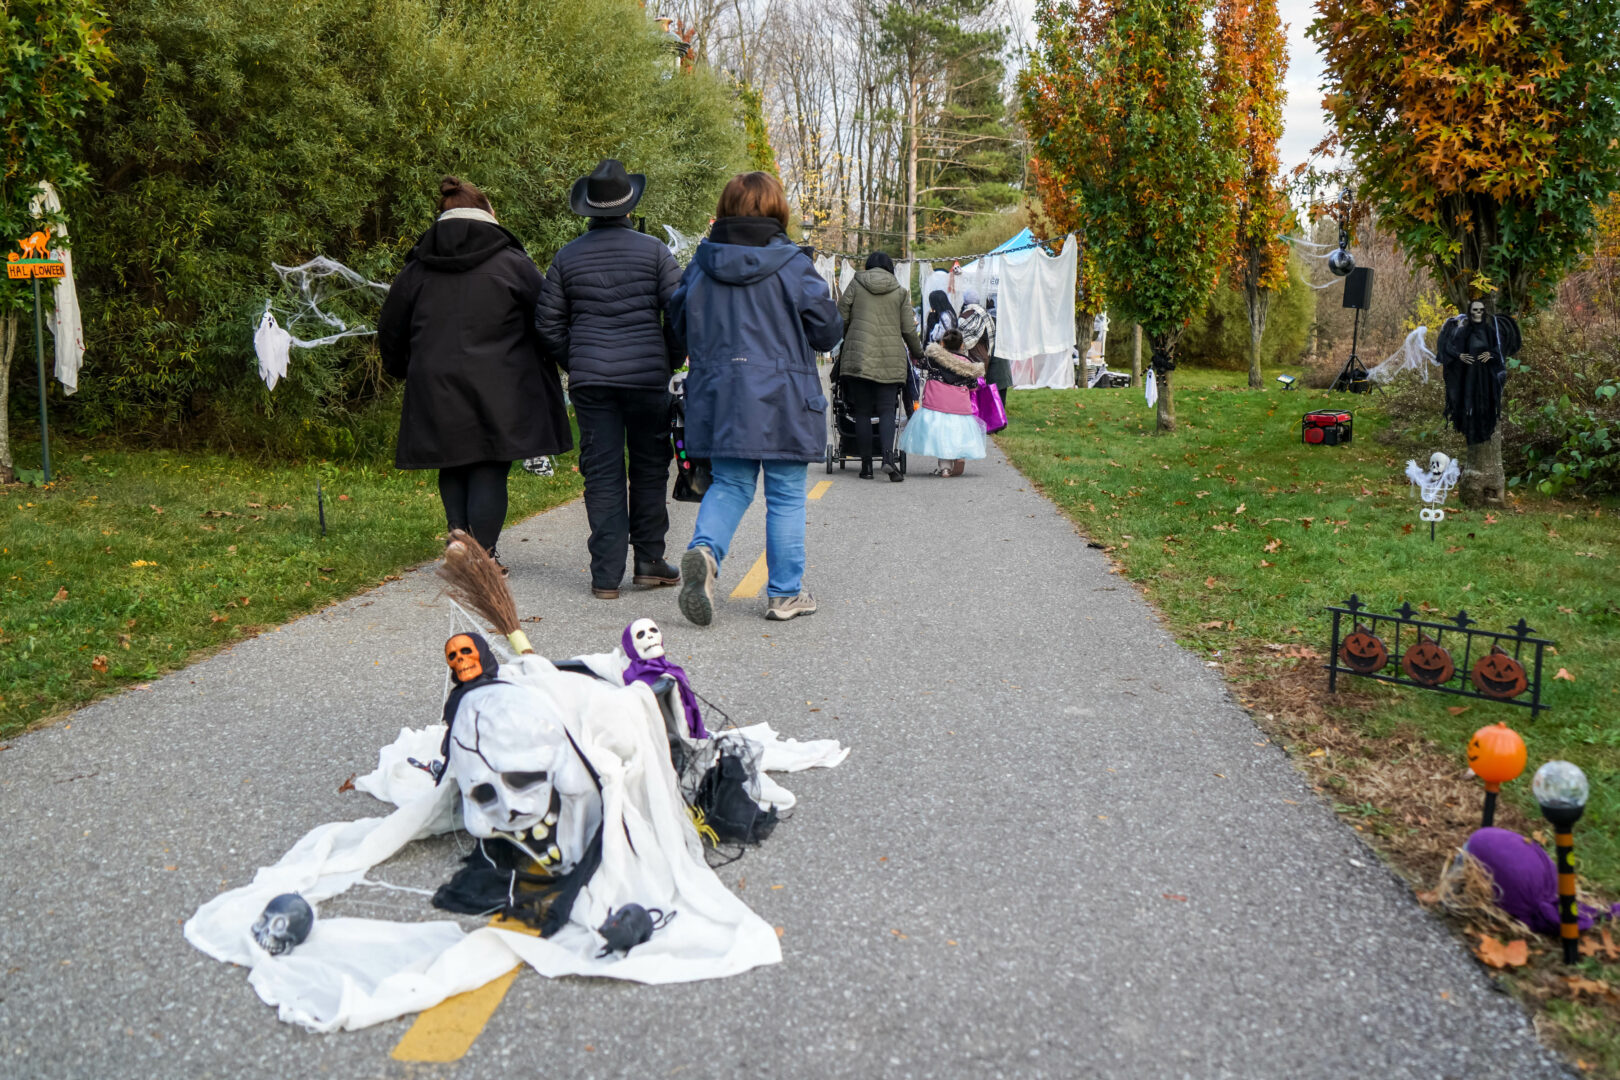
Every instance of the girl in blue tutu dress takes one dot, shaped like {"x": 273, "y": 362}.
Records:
{"x": 946, "y": 426}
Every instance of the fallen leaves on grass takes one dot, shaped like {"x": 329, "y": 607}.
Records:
{"x": 1600, "y": 943}
{"x": 1498, "y": 954}
{"x": 1213, "y": 624}
{"x": 61, "y": 594}
{"x": 155, "y": 509}
{"x": 139, "y": 563}
{"x": 1563, "y": 673}
{"x": 1593, "y": 988}
{"x": 99, "y": 665}
{"x": 1209, "y": 583}
{"x": 1272, "y": 545}
{"x": 1456, "y": 710}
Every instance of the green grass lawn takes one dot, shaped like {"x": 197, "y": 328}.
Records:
{"x": 1241, "y": 536}
{"x": 133, "y": 563}
{"x": 1233, "y": 519}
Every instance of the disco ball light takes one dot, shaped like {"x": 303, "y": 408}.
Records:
{"x": 1341, "y": 262}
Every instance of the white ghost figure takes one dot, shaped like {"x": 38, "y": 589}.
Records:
{"x": 521, "y": 778}
{"x": 647, "y": 639}
{"x": 1435, "y": 482}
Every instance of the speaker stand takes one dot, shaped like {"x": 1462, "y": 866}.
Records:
{"x": 1354, "y": 370}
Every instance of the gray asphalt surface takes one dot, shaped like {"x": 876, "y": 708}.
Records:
{"x": 1058, "y": 848}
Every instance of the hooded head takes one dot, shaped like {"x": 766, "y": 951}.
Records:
{"x": 971, "y": 298}
{"x": 470, "y": 659}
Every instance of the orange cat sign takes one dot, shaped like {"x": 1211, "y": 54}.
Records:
{"x": 33, "y": 258}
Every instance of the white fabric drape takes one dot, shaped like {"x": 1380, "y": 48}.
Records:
{"x": 1035, "y": 316}
{"x": 273, "y": 346}
{"x": 827, "y": 267}
{"x": 902, "y": 274}
{"x": 846, "y": 274}
{"x": 65, "y": 321}
{"x": 352, "y": 972}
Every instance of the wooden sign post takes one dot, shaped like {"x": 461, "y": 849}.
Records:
{"x": 37, "y": 269}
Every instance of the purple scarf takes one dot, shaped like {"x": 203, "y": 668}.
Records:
{"x": 650, "y": 671}
{"x": 1526, "y": 879}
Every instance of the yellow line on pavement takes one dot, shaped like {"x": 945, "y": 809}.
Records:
{"x": 447, "y": 1031}
{"x": 752, "y": 581}
{"x": 757, "y": 574}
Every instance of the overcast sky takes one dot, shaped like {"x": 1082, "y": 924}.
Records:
{"x": 1305, "y": 123}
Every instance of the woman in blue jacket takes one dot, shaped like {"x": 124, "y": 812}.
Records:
{"x": 753, "y": 313}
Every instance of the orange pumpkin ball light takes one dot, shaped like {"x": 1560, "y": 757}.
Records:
{"x": 1497, "y": 755}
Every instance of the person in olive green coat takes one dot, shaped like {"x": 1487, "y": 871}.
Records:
{"x": 880, "y": 339}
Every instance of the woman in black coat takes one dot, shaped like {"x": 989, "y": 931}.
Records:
{"x": 458, "y": 327}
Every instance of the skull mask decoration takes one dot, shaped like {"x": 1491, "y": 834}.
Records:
{"x": 647, "y": 639}
{"x": 520, "y": 777}
{"x": 1437, "y": 464}
{"x": 1476, "y": 312}
{"x": 286, "y": 922}
{"x": 461, "y": 653}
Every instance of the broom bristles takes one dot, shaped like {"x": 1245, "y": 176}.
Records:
{"x": 474, "y": 581}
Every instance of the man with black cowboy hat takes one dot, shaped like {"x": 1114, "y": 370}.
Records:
{"x": 601, "y": 317}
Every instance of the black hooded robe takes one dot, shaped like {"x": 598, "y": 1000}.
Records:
{"x": 1474, "y": 390}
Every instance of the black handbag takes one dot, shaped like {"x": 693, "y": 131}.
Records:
{"x": 692, "y": 475}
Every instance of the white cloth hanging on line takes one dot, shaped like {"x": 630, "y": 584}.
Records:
{"x": 1035, "y": 316}
{"x": 846, "y": 274}
{"x": 1151, "y": 389}
{"x": 827, "y": 267}
{"x": 65, "y": 321}
{"x": 902, "y": 274}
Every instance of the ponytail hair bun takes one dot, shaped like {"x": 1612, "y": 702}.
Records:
{"x": 457, "y": 193}
{"x": 951, "y": 339}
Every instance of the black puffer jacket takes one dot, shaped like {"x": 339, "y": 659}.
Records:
{"x": 458, "y": 327}
{"x": 601, "y": 313}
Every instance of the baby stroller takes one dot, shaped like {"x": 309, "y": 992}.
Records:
{"x": 841, "y": 446}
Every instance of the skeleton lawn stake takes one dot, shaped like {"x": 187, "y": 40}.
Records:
{"x": 1433, "y": 484}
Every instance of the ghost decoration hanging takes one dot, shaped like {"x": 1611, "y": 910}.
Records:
{"x": 644, "y": 648}
{"x": 284, "y": 924}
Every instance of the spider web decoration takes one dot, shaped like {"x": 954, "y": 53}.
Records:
{"x": 322, "y": 298}
{"x": 1413, "y": 355}
{"x": 1307, "y": 249}
{"x": 680, "y": 245}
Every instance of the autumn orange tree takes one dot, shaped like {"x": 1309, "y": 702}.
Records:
{"x": 1484, "y": 133}
{"x": 1251, "y": 58}
{"x": 1119, "y": 98}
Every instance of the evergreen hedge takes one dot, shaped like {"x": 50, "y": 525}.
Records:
{"x": 241, "y": 133}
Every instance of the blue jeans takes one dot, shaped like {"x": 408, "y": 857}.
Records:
{"x": 728, "y": 499}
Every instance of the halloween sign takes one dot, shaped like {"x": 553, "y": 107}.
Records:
{"x": 1449, "y": 655}
{"x": 32, "y": 259}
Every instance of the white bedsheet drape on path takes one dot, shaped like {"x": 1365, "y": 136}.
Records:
{"x": 827, "y": 267}
{"x": 846, "y": 274}
{"x": 352, "y": 973}
{"x": 64, "y": 320}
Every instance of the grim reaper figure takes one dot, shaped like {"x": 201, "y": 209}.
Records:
{"x": 1474, "y": 347}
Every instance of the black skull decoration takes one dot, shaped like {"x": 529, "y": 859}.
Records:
{"x": 286, "y": 922}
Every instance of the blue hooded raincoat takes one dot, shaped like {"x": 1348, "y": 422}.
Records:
{"x": 753, "y": 315}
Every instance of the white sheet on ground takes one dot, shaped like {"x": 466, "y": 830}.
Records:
{"x": 352, "y": 973}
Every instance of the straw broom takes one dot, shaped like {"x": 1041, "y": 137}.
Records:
{"x": 475, "y": 582}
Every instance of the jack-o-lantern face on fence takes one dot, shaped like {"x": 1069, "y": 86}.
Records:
{"x": 461, "y": 653}
{"x": 1428, "y": 663}
{"x": 1363, "y": 652}
{"x": 1496, "y": 754}
{"x": 1498, "y": 675}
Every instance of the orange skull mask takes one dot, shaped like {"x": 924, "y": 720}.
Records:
{"x": 461, "y": 653}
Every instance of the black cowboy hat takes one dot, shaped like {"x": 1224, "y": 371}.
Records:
{"x": 609, "y": 191}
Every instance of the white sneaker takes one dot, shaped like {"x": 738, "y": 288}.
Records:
{"x": 783, "y": 608}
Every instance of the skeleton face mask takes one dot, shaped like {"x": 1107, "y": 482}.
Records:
{"x": 1476, "y": 312}
{"x": 520, "y": 778}
{"x": 647, "y": 639}
{"x": 461, "y": 653}
{"x": 1438, "y": 463}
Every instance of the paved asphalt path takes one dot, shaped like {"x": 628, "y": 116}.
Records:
{"x": 1058, "y": 848}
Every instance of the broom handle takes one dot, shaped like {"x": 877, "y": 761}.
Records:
{"x": 520, "y": 642}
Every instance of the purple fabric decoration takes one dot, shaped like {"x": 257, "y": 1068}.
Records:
{"x": 649, "y": 672}
{"x": 1526, "y": 879}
